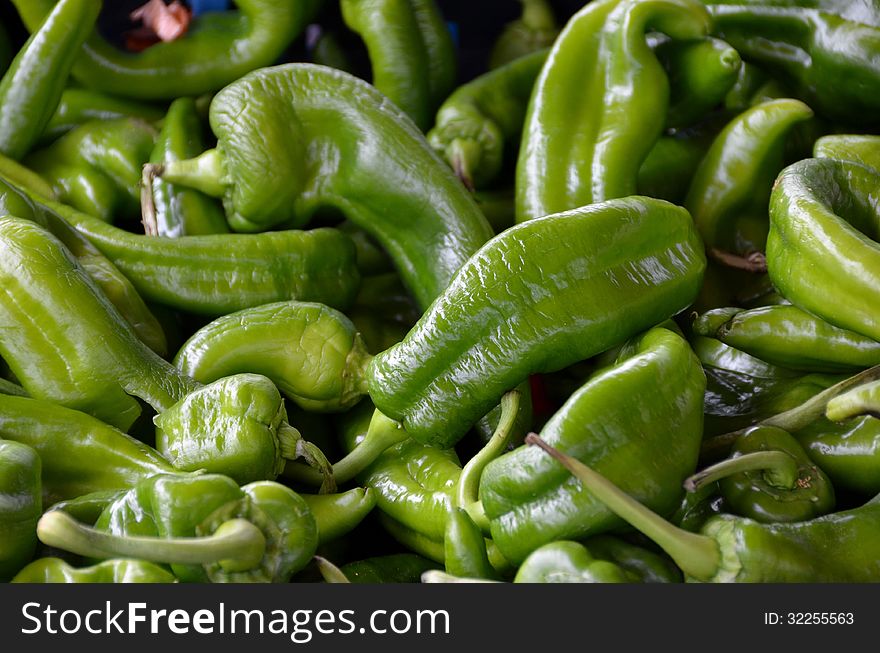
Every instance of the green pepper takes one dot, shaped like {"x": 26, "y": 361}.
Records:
{"x": 383, "y": 311}
{"x": 860, "y": 11}
{"x": 80, "y": 105}
{"x": 667, "y": 171}
{"x": 861, "y": 148}
{"x": 830, "y": 60}
{"x": 464, "y": 547}
{"x": 171, "y": 211}
{"x": 749, "y": 80}
{"x": 790, "y": 337}
{"x": 483, "y": 120}
{"x": 24, "y": 177}
{"x": 219, "y": 48}
{"x": 769, "y": 478}
{"x": 80, "y": 454}
{"x": 32, "y": 86}
{"x": 568, "y": 562}
{"x": 534, "y": 30}
{"x": 96, "y": 167}
{"x": 337, "y": 514}
{"x": 117, "y": 288}
{"x": 336, "y": 143}
{"x": 580, "y": 144}
{"x": 56, "y": 570}
{"x": 20, "y": 505}
{"x": 640, "y": 563}
{"x": 738, "y": 549}
{"x": 607, "y": 271}
{"x": 848, "y": 452}
{"x": 325, "y": 49}
{"x": 729, "y": 193}
{"x": 643, "y": 434}
{"x": 411, "y": 52}
{"x": 393, "y": 568}
{"x": 822, "y": 252}
{"x": 205, "y": 527}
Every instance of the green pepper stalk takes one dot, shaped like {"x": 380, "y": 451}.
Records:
{"x": 614, "y": 269}
{"x": 863, "y": 400}
{"x": 217, "y": 49}
{"x": 645, "y": 436}
{"x": 116, "y": 286}
{"x": 96, "y": 167}
{"x": 861, "y": 148}
{"x": 823, "y": 217}
{"x": 205, "y": 527}
{"x": 730, "y": 190}
{"x": 80, "y": 105}
{"x": 790, "y": 337}
{"x": 411, "y": 52}
{"x": 737, "y": 549}
{"x": 53, "y": 313}
{"x": 568, "y": 562}
{"x": 438, "y": 576}
{"x": 32, "y": 86}
{"x": 534, "y": 30}
{"x": 174, "y": 212}
{"x": 330, "y": 572}
{"x": 56, "y": 570}
{"x": 20, "y": 505}
{"x": 599, "y": 74}
{"x": 769, "y": 478}
{"x": 337, "y": 144}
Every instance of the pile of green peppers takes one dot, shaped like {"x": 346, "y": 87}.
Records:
{"x": 306, "y": 294}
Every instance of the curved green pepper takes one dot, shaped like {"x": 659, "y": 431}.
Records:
{"x": 411, "y": 52}
{"x": 769, "y": 478}
{"x": 579, "y": 143}
{"x": 830, "y": 60}
{"x": 205, "y": 527}
{"x": 171, "y": 211}
{"x": 667, "y": 171}
{"x": 849, "y": 452}
{"x": 32, "y": 86}
{"x": 219, "y": 47}
{"x": 568, "y": 562}
{"x": 534, "y": 30}
{"x": 340, "y": 145}
{"x": 96, "y": 167}
{"x": 738, "y": 549}
{"x": 650, "y": 446}
{"x": 56, "y": 570}
{"x": 20, "y": 505}
{"x": 729, "y": 193}
{"x": 789, "y": 337}
{"x": 825, "y": 214}
{"x": 607, "y": 271}
{"x": 337, "y": 514}
{"x": 863, "y": 400}
{"x": 861, "y": 148}
{"x": 80, "y": 105}
{"x": 464, "y": 547}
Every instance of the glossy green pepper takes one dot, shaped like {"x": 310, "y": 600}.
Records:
{"x": 830, "y": 60}
{"x": 32, "y": 86}
{"x": 738, "y": 549}
{"x": 667, "y": 171}
{"x": 534, "y": 30}
{"x": 860, "y": 11}
{"x": 848, "y": 452}
{"x": 411, "y": 52}
{"x": 80, "y": 454}
{"x": 607, "y": 271}
{"x": 337, "y": 514}
{"x": 640, "y": 563}
{"x": 790, "y": 337}
{"x": 861, "y": 148}
{"x": 218, "y": 48}
{"x": 579, "y": 143}
{"x": 20, "y": 505}
{"x": 393, "y": 568}
{"x": 568, "y": 562}
{"x": 23, "y": 176}
{"x": 80, "y": 105}
{"x": 824, "y": 215}
{"x": 464, "y": 547}
{"x": 171, "y": 211}
{"x": 205, "y": 527}
{"x": 96, "y": 167}
{"x": 649, "y": 445}
{"x": 769, "y": 478}
{"x": 729, "y": 193}
{"x": 334, "y": 138}
{"x": 56, "y": 570}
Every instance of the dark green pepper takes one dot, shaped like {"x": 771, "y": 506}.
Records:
{"x": 393, "y": 568}
{"x": 56, "y": 570}
{"x": 20, "y": 506}
{"x": 607, "y": 271}
{"x": 205, "y": 527}
{"x": 645, "y": 435}
{"x": 640, "y": 563}
{"x": 80, "y": 105}
{"x": 769, "y": 478}
{"x": 568, "y": 562}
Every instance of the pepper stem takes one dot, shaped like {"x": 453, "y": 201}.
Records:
{"x": 461, "y": 155}
{"x": 204, "y": 173}
{"x": 148, "y": 204}
{"x": 382, "y": 433}
{"x": 237, "y": 543}
{"x": 293, "y": 446}
{"x": 467, "y": 490}
{"x": 330, "y": 572}
{"x": 864, "y": 400}
{"x": 697, "y": 555}
{"x": 780, "y": 470}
